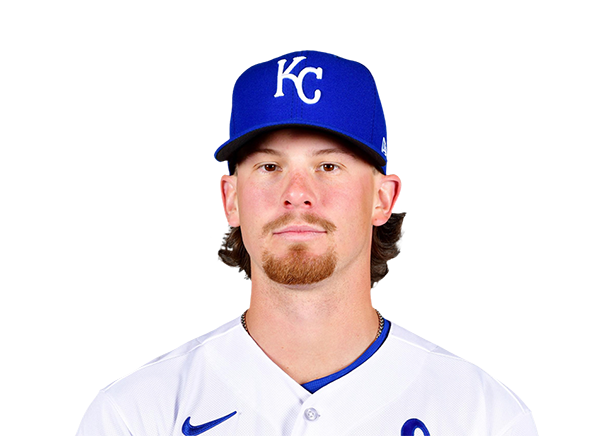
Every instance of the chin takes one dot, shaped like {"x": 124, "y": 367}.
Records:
{"x": 298, "y": 267}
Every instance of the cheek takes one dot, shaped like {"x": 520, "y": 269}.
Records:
{"x": 254, "y": 206}
{"x": 253, "y": 199}
{"x": 353, "y": 204}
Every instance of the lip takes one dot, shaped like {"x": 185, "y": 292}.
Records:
{"x": 299, "y": 229}
{"x": 299, "y": 232}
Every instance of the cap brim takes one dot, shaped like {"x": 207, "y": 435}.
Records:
{"x": 230, "y": 148}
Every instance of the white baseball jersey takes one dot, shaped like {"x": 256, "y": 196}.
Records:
{"x": 223, "y": 384}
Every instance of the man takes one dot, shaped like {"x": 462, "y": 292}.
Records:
{"x": 310, "y": 209}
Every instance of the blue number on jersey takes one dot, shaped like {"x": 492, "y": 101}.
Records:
{"x": 409, "y": 427}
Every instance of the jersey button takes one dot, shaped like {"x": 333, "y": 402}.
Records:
{"x": 311, "y": 414}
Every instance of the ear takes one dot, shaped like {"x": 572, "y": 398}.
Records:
{"x": 385, "y": 198}
{"x": 229, "y": 198}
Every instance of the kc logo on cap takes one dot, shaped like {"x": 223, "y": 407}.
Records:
{"x": 281, "y": 75}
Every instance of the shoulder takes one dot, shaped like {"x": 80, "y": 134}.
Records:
{"x": 142, "y": 399}
{"x": 170, "y": 369}
{"x": 400, "y": 334}
{"x": 449, "y": 377}
{"x": 432, "y": 379}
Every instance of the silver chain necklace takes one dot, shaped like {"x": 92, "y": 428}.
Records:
{"x": 381, "y": 323}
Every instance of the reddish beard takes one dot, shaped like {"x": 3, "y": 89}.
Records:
{"x": 298, "y": 267}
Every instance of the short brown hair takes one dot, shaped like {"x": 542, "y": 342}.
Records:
{"x": 384, "y": 247}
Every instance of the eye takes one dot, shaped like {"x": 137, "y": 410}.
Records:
{"x": 269, "y": 167}
{"x": 328, "y": 167}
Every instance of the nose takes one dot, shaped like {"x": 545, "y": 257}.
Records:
{"x": 298, "y": 192}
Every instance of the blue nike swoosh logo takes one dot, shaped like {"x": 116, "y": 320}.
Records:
{"x": 194, "y": 430}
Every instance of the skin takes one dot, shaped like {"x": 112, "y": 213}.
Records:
{"x": 309, "y": 330}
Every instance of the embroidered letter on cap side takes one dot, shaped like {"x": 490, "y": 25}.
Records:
{"x": 384, "y": 147}
{"x": 287, "y": 74}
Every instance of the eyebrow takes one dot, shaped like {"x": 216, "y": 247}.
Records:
{"x": 334, "y": 151}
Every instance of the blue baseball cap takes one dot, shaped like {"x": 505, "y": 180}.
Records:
{"x": 308, "y": 89}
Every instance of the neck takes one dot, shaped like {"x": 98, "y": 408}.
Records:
{"x": 312, "y": 331}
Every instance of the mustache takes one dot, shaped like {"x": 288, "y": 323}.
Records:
{"x": 309, "y": 218}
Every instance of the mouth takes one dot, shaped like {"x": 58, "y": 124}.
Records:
{"x": 299, "y": 233}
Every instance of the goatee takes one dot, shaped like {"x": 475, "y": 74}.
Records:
{"x": 298, "y": 266}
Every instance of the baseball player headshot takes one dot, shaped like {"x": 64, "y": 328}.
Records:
{"x": 310, "y": 206}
